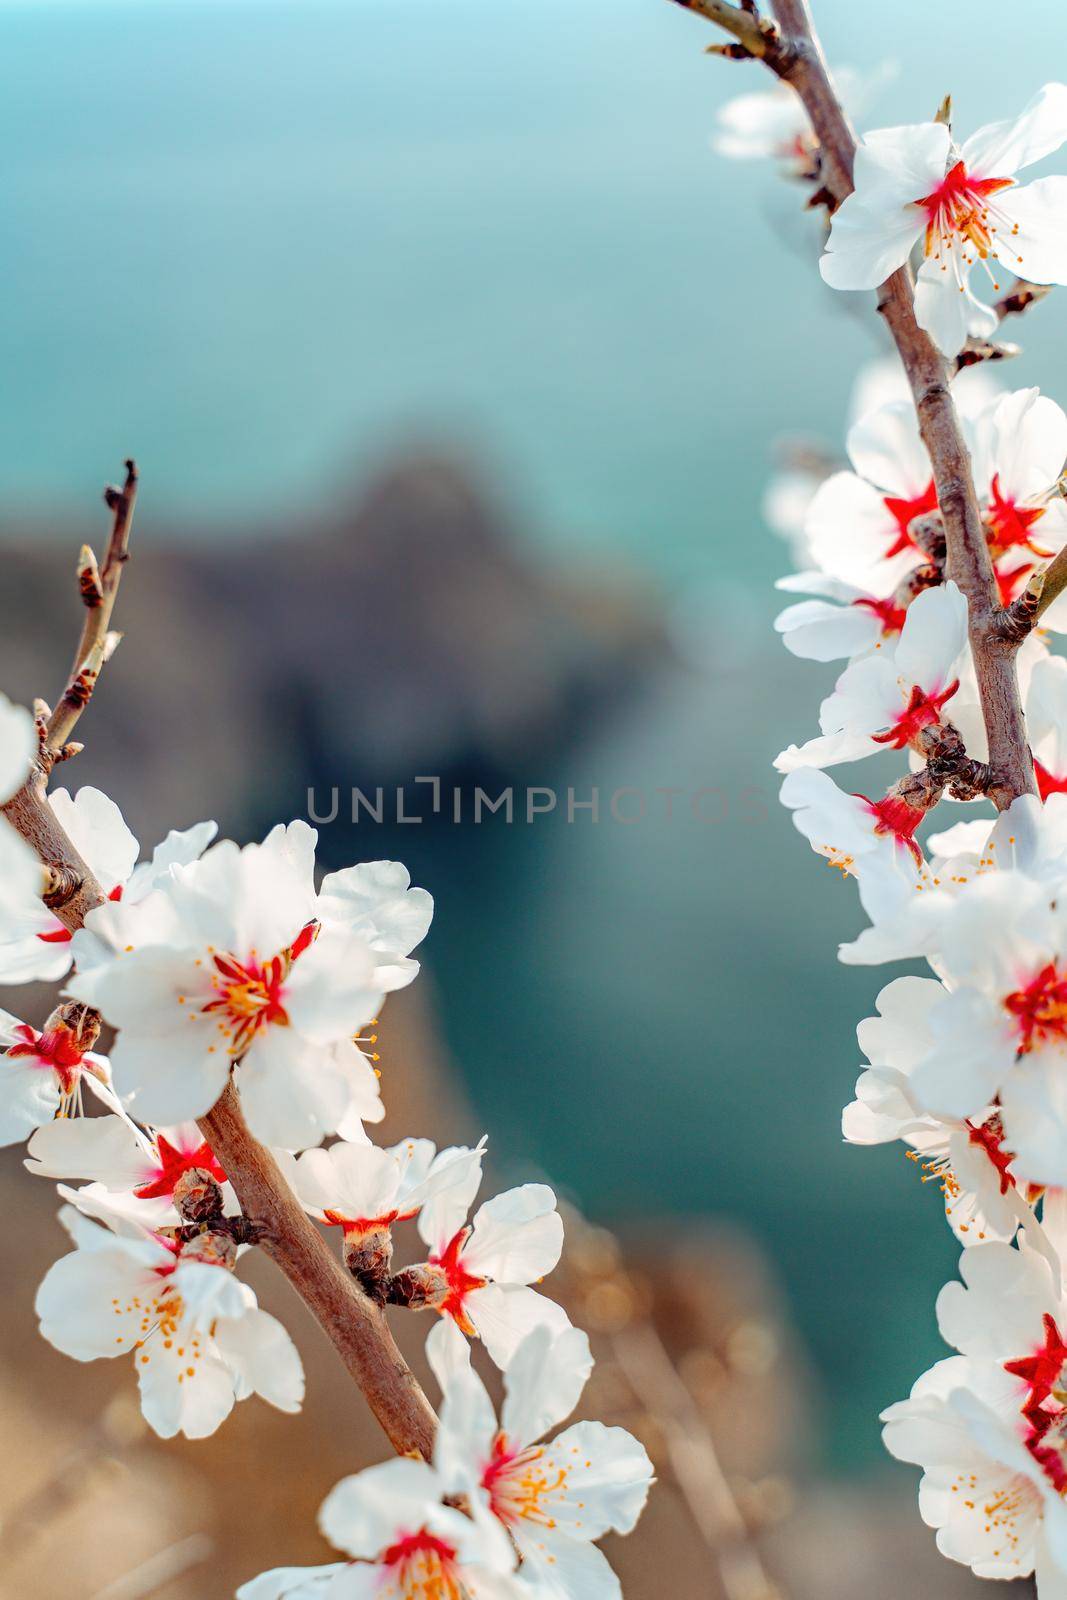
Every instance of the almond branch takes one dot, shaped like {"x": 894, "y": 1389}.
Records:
{"x": 793, "y": 54}
{"x": 99, "y": 587}
{"x": 353, "y": 1324}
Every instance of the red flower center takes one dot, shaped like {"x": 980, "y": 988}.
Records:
{"x": 249, "y": 997}
{"x": 55, "y": 1049}
{"x": 423, "y": 1566}
{"x": 1048, "y": 784}
{"x": 894, "y": 816}
{"x": 904, "y": 511}
{"x": 172, "y": 1163}
{"x": 922, "y": 711}
{"x": 459, "y": 1280}
{"x": 990, "y": 1138}
{"x": 1040, "y": 1010}
{"x": 889, "y": 614}
{"x": 959, "y": 206}
{"x": 1010, "y": 523}
{"x": 1041, "y": 1372}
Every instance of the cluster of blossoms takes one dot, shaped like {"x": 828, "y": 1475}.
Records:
{"x": 967, "y": 1067}
{"x": 218, "y": 966}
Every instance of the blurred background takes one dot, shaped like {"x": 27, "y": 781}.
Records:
{"x": 455, "y": 364}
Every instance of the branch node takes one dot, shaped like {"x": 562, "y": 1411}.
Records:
{"x": 61, "y": 884}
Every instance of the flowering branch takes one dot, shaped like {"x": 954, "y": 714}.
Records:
{"x": 796, "y": 58}
{"x": 929, "y": 586}
{"x": 354, "y": 1325}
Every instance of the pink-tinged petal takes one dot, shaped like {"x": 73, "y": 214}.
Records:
{"x": 933, "y": 638}
{"x": 1038, "y": 251}
{"x": 885, "y": 448}
{"x": 1000, "y": 149}
{"x": 263, "y": 1358}
{"x": 950, "y": 312}
{"x": 544, "y": 1383}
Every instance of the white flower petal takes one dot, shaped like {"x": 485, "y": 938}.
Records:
{"x": 543, "y": 1382}
{"x": 1000, "y": 149}
{"x": 517, "y": 1236}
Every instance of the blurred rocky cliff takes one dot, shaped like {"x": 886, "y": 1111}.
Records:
{"x": 405, "y": 632}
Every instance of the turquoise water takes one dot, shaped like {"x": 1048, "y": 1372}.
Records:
{"x": 260, "y": 244}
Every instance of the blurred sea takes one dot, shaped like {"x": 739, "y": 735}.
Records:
{"x": 261, "y": 244}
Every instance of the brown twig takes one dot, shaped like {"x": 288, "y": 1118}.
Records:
{"x": 1023, "y": 615}
{"x": 796, "y": 57}
{"x": 1020, "y": 297}
{"x": 98, "y": 587}
{"x": 356, "y": 1327}
{"x": 748, "y": 28}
